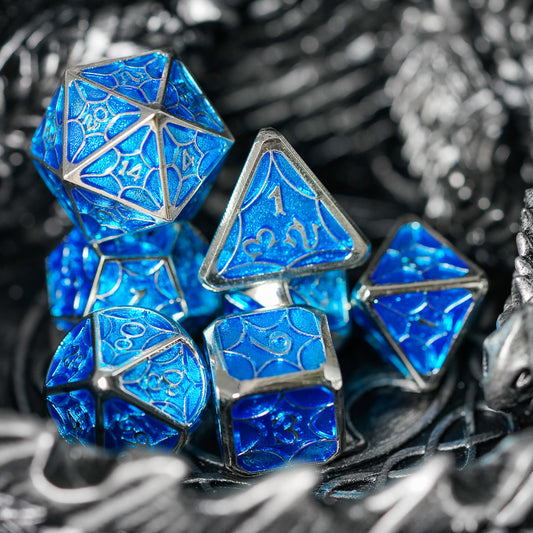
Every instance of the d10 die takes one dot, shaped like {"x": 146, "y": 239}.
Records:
{"x": 415, "y": 300}
{"x": 129, "y": 144}
{"x": 127, "y": 377}
{"x": 156, "y": 269}
{"x": 327, "y": 292}
{"x": 277, "y": 388}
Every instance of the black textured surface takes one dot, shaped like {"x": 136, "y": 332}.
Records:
{"x": 398, "y": 107}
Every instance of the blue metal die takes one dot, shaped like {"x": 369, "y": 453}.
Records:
{"x": 277, "y": 388}
{"x": 327, "y": 292}
{"x": 129, "y": 144}
{"x": 415, "y": 300}
{"x": 127, "y": 377}
{"x": 157, "y": 269}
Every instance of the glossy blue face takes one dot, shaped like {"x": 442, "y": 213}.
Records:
{"x": 282, "y": 224}
{"x": 152, "y": 384}
{"x": 415, "y": 255}
{"x": 134, "y": 148}
{"x": 327, "y": 292}
{"x": 271, "y": 430}
{"x": 270, "y": 343}
{"x": 157, "y": 269}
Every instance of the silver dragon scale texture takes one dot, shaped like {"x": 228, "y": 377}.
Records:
{"x": 398, "y": 106}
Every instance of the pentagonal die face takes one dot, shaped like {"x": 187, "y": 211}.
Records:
{"x": 416, "y": 299}
{"x": 156, "y": 269}
{"x": 129, "y": 144}
{"x": 277, "y": 388}
{"x": 127, "y": 377}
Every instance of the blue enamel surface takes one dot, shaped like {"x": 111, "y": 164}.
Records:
{"x": 47, "y": 142}
{"x": 74, "y": 414}
{"x": 138, "y": 78}
{"x": 157, "y": 241}
{"x": 129, "y": 170}
{"x": 270, "y": 430}
{"x": 104, "y": 218}
{"x": 56, "y": 187}
{"x": 94, "y": 117}
{"x": 173, "y": 382}
{"x": 70, "y": 271}
{"x": 424, "y": 324}
{"x": 126, "y": 332}
{"x": 415, "y": 255}
{"x": 127, "y": 426}
{"x": 184, "y": 99}
{"x": 281, "y": 225}
{"x": 192, "y": 158}
{"x": 144, "y": 282}
{"x": 74, "y": 358}
{"x": 270, "y": 343}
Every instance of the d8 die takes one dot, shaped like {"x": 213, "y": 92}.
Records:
{"x": 415, "y": 300}
{"x": 277, "y": 388}
{"x": 157, "y": 269}
{"x": 127, "y": 377}
{"x": 129, "y": 144}
{"x": 327, "y": 292}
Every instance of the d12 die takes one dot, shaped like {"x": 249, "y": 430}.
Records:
{"x": 156, "y": 269}
{"x": 277, "y": 388}
{"x": 129, "y": 144}
{"x": 327, "y": 292}
{"x": 415, "y": 300}
{"x": 127, "y": 377}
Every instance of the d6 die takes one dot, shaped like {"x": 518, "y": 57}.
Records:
{"x": 277, "y": 388}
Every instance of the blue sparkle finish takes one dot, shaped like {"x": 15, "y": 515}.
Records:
{"x": 70, "y": 271}
{"x": 127, "y": 426}
{"x": 184, "y": 99}
{"x": 424, "y": 324}
{"x": 271, "y": 430}
{"x": 129, "y": 171}
{"x": 415, "y": 255}
{"x": 56, "y": 187}
{"x": 127, "y": 377}
{"x": 281, "y": 225}
{"x": 94, "y": 117}
{"x": 103, "y": 218}
{"x": 145, "y": 282}
{"x": 270, "y": 343}
{"x": 74, "y": 357}
{"x": 137, "y": 78}
{"x": 126, "y": 332}
{"x": 74, "y": 415}
{"x": 193, "y": 159}
{"x": 173, "y": 382}
{"x": 47, "y": 142}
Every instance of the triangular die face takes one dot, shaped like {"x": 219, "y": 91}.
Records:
{"x": 280, "y": 222}
{"x": 424, "y": 325}
{"x": 191, "y": 156}
{"x": 129, "y": 171}
{"x": 138, "y": 78}
{"x": 185, "y": 100}
{"x": 415, "y": 255}
{"x": 94, "y": 117}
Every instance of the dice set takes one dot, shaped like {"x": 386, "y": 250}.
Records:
{"x": 130, "y": 148}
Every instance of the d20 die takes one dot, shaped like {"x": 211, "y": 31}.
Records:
{"x": 415, "y": 300}
{"x": 127, "y": 377}
{"x": 277, "y": 388}
{"x": 156, "y": 269}
{"x": 327, "y": 292}
{"x": 129, "y": 144}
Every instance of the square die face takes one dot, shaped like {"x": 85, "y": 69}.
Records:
{"x": 270, "y": 343}
{"x": 270, "y": 430}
